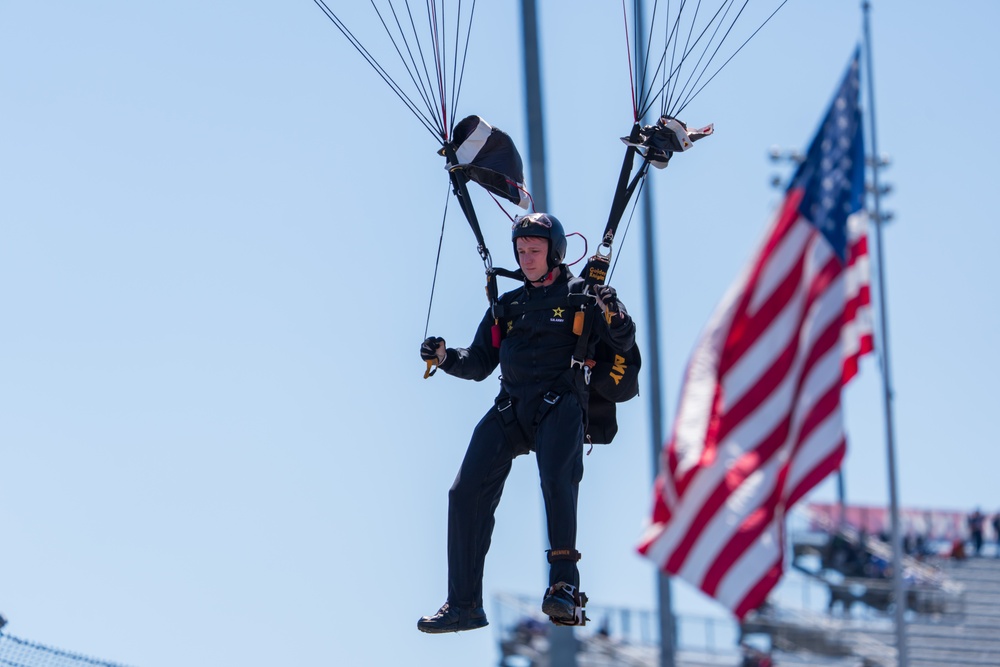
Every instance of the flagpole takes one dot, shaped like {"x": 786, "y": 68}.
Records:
{"x": 902, "y": 658}
{"x": 562, "y": 639}
{"x": 668, "y": 640}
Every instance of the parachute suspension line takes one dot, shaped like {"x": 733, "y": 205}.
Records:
{"x": 638, "y": 77}
{"x": 661, "y": 68}
{"x": 671, "y": 42}
{"x": 383, "y": 74}
{"x": 454, "y": 65}
{"x": 635, "y": 203}
{"x": 422, "y": 82}
{"x": 709, "y": 44}
{"x": 688, "y": 48}
{"x": 641, "y": 78}
{"x": 677, "y": 97}
{"x": 631, "y": 74}
{"x": 667, "y": 68}
{"x": 456, "y": 88}
{"x": 665, "y": 72}
{"x": 429, "y": 104}
{"x": 745, "y": 42}
{"x": 439, "y": 48}
{"x": 668, "y": 31}
{"x": 425, "y": 84}
{"x": 437, "y": 261}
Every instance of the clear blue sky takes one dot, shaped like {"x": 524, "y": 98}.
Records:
{"x": 218, "y": 236}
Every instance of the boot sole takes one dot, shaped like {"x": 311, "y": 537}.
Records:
{"x": 554, "y": 608}
{"x": 441, "y": 630}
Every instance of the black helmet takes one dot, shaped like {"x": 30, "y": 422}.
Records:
{"x": 544, "y": 226}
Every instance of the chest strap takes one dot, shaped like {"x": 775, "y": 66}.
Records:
{"x": 512, "y": 310}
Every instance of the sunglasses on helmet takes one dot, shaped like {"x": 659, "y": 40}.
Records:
{"x": 523, "y": 221}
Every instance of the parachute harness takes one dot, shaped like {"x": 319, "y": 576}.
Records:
{"x": 423, "y": 59}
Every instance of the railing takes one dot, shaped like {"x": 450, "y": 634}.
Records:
{"x": 23, "y": 653}
{"x": 631, "y": 634}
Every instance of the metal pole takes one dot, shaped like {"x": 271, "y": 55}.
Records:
{"x": 668, "y": 639}
{"x": 841, "y": 502}
{"x": 533, "y": 106}
{"x": 562, "y": 640}
{"x": 899, "y": 590}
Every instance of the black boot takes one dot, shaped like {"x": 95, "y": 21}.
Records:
{"x": 564, "y": 604}
{"x": 453, "y": 619}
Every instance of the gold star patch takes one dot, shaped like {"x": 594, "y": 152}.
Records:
{"x": 557, "y": 312}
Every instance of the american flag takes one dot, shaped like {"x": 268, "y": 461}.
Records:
{"x": 759, "y": 420}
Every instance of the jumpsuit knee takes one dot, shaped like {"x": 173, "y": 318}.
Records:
{"x": 472, "y": 504}
{"x": 559, "y": 450}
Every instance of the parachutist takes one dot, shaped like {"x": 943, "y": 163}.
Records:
{"x": 545, "y": 405}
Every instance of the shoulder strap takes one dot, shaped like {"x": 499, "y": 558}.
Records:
{"x": 580, "y": 352}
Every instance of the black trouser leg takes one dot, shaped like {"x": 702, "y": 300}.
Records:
{"x": 472, "y": 502}
{"x": 559, "y": 448}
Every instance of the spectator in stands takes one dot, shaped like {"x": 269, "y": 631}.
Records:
{"x": 838, "y": 552}
{"x": 975, "y": 522}
{"x": 854, "y": 557}
{"x": 877, "y": 567}
{"x": 958, "y": 549}
{"x": 920, "y": 548}
{"x": 909, "y": 543}
{"x": 753, "y": 657}
{"x": 996, "y": 531}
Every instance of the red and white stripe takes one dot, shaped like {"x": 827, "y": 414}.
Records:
{"x": 856, "y": 336}
{"x": 759, "y": 421}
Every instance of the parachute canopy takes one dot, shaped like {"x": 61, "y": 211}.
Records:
{"x": 487, "y": 155}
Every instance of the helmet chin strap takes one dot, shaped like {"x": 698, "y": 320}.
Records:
{"x": 543, "y": 278}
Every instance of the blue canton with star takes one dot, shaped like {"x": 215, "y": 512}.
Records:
{"x": 833, "y": 173}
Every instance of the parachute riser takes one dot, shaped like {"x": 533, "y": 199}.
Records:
{"x": 618, "y": 204}
{"x": 596, "y": 270}
{"x": 458, "y": 183}
{"x": 656, "y": 144}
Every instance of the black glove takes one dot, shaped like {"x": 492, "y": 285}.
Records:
{"x": 432, "y": 349}
{"x": 607, "y": 298}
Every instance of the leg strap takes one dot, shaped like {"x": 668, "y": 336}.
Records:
{"x": 505, "y": 409}
{"x": 562, "y": 554}
{"x": 549, "y": 401}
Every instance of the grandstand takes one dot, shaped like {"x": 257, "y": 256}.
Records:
{"x": 843, "y": 615}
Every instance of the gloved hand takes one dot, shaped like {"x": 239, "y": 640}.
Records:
{"x": 607, "y": 298}
{"x": 433, "y": 349}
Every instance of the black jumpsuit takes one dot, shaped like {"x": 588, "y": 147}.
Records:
{"x": 534, "y": 358}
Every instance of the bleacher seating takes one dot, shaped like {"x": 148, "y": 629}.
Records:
{"x": 960, "y": 627}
